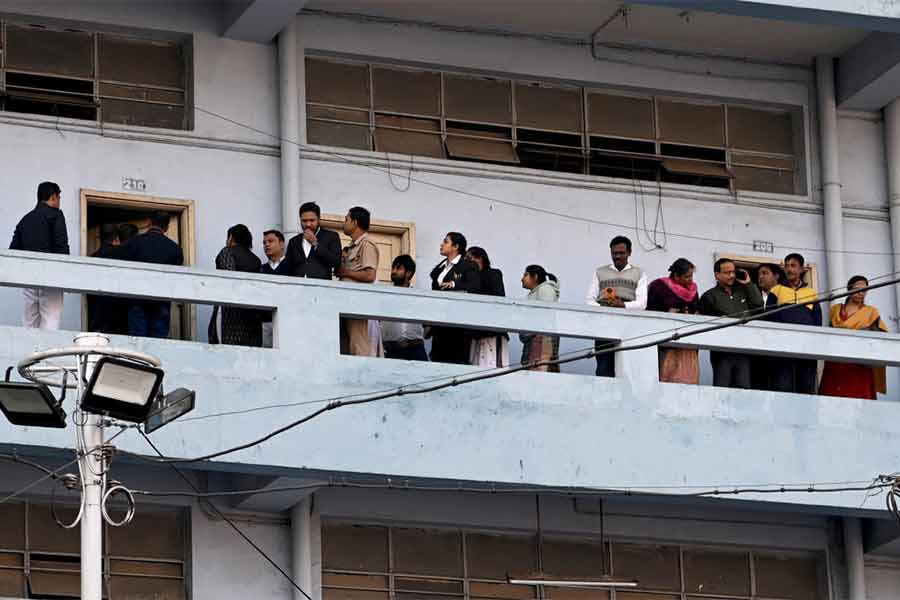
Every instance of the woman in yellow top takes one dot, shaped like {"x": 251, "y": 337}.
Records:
{"x": 847, "y": 379}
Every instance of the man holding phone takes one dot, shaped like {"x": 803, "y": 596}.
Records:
{"x": 733, "y": 296}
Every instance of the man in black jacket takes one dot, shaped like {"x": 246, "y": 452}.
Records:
{"x": 43, "y": 230}
{"x": 108, "y": 314}
{"x": 150, "y": 318}
{"x": 316, "y": 252}
{"x": 273, "y": 247}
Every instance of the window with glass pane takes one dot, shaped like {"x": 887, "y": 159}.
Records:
{"x": 90, "y": 76}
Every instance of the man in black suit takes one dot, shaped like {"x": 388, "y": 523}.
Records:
{"x": 315, "y": 252}
{"x": 273, "y": 246}
{"x": 453, "y": 274}
{"x": 150, "y": 318}
{"x": 108, "y": 314}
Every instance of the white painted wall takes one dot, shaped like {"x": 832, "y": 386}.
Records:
{"x": 882, "y": 580}
{"x": 863, "y": 174}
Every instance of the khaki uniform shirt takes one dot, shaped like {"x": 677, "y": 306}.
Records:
{"x": 360, "y": 255}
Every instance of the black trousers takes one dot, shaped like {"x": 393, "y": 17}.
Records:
{"x": 606, "y": 363}
{"x": 730, "y": 370}
{"x": 794, "y": 375}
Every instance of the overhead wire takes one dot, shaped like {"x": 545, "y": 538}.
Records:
{"x": 603, "y": 345}
{"x": 416, "y": 389}
{"x": 546, "y": 211}
{"x": 225, "y": 518}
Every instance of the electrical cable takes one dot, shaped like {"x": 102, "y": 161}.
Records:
{"x": 601, "y": 490}
{"x": 544, "y": 211}
{"x": 246, "y": 538}
{"x": 51, "y": 475}
{"x": 464, "y": 379}
{"x": 824, "y": 296}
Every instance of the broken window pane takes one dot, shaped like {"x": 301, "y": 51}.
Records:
{"x": 338, "y": 83}
{"x": 687, "y": 123}
{"x": 405, "y": 135}
{"x": 478, "y": 99}
{"x": 549, "y": 108}
{"x": 46, "y": 51}
{"x": 406, "y": 91}
{"x": 143, "y": 62}
{"x": 625, "y": 116}
{"x": 760, "y": 130}
{"x": 337, "y": 114}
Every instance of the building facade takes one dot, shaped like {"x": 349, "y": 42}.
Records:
{"x": 540, "y": 130}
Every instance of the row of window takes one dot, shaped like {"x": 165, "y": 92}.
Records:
{"x": 553, "y": 127}
{"x": 93, "y": 76}
{"x": 372, "y": 562}
{"x": 39, "y": 559}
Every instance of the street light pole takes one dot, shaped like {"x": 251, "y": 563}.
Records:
{"x": 89, "y": 427}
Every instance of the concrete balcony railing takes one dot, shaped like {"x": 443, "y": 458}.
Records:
{"x": 528, "y": 427}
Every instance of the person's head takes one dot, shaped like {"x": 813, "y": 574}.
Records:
{"x": 769, "y": 275}
{"x": 794, "y": 266}
{"x": 682, "y": 271}
{"x": 160, "y": 219}
{"x": 857, "y": 282}
{"x": 478, "y": 256}
{"x": 620, "y": 250}
{"x": 402, "y": 270}
{"x": 356, "y": 222}
{"x": 48, "y": 193}
{"x": 239, "y": 235}
{"x": 725, "y": 271}
{"x": 534, "y": 276}
{"x": 310, "y": 213}
{"x": 273, "y": 244}
{"x": 109, "y": 234}
{"x": 453, "y": 245}
{"x": 127, "y": 231}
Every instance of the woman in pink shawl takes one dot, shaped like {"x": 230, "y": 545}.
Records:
{"x": 676, "y": 293}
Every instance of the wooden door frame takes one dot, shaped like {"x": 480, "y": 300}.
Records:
{"x": 186, "y": 234}
{"x": 406, "y": 231}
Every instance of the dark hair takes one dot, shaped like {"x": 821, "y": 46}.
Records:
{"x": 241, "y": 235}
{"x": 798, "y": 257}
{"x": 552, "y": 277}
{"x": 406, "y": 261}
{"x": 47, "y": 189}
{"x": 717, "y": 267}
{"x": 160, "y": 218}
{"x": 681, "y": 267}
{"x": 361, "y": 216}
{"x": 479, "y": 253}
{"x": 127, "y": 231}
{"x": 108, "y": 233}
{"x": 776, "y": 269}
{"x": 538, "y": 272}
{"x": 274, "y": 232}
{"x": 856, "y": 279}
{"x": 310, "y": 207}
{"x": 621, "y": 239}
{"x": 458, "y": 240}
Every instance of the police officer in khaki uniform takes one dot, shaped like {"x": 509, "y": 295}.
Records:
{"x": 359, "y": 263}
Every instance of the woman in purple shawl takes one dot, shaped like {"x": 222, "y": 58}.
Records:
{"x": 676, "y": 293}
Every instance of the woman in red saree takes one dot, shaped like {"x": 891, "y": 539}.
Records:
{"x": 847, "y": 379}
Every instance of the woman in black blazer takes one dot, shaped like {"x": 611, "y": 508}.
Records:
{"x": 453, "y": 274}
{"x": 489, "y": 348}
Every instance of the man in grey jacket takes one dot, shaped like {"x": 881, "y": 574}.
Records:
{"x": 43, "y": 230}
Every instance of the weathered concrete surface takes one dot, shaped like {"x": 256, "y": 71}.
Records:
{"x": 529, "y": 427}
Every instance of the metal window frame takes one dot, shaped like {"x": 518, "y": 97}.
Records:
{"x": 186, "y": 90}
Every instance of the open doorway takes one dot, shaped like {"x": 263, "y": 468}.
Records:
{"x": 99, "y": 208}
{"x": 393, "y": 238}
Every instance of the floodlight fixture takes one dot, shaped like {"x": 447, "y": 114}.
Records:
{"x": 169, "y": 407}
{"x": 31, "y": 404}
{"x": 122, "y": 389}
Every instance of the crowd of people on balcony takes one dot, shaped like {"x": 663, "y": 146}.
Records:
{"x": 317, "y": 253}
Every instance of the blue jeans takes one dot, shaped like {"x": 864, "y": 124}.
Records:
{"x": 149, "y": 319}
